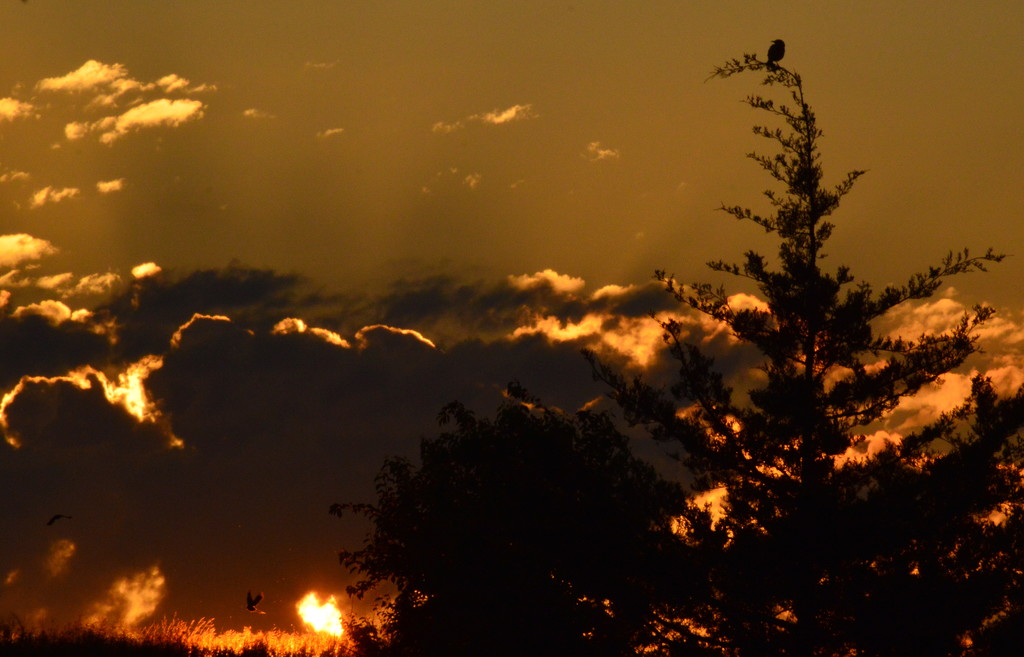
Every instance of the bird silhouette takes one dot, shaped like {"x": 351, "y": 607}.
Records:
{"x": 776, "y": 52}
{"x": 251, "y": 602}
{"x": 56, "y": 518}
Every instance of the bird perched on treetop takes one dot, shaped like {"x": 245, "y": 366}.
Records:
{"x": 776, "y": 52}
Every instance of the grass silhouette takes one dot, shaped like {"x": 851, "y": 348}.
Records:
{"x": 168, "y": 638}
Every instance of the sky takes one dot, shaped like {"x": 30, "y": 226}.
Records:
{"x": 250, "y": 249}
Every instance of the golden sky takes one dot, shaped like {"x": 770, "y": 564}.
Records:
{"x": 356, "y": 142}
{"x": 247, "y": 249}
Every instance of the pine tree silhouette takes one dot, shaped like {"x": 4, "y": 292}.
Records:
{"x": 823, "y": 548}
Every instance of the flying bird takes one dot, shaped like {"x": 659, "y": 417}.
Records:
{"x": 56, "y": 518}
{"x": 251, "y": 602}
{"x": 776, "y": 52}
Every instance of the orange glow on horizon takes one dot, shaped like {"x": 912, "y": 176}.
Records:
{"x": 322, "y": 617}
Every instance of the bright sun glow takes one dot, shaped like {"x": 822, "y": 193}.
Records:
{"x": 324, "y": 617}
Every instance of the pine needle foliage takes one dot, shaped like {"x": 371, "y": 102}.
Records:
{"x": 819, "y": 545}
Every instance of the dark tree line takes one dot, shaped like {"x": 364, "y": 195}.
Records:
{"x": 535, "y": 533}
{"x": 539, "y": 533}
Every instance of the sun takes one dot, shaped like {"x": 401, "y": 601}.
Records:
{"x": 322, "y": 617}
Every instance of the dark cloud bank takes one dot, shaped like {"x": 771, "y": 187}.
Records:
{"x": 273, "y": 424}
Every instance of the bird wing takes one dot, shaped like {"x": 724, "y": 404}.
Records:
{"x": 255, "y": 601}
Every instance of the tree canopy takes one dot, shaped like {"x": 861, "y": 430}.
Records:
{"x": 535, "y": 533}
{"x": 821, "y": 546}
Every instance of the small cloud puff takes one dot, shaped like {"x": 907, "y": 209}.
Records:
{"x": 108, "y": 186}
{"x": 20, "y": 247}
{"x": 172, "y": 82}
{"x": 514, "y": 113}
{"x": 257, "y": 114}
{"x": 50, "y": 194}
{"x": 595, "y": 152}
{"x": 330, "y": 132}
{"x": 59, "y": 557}
{"x": 320, "y": 66}
{"x": 96, "y": 283}
{"x": 55, "y": 281}
{"x": 146, "y": 269}
{"x": 496, "y": 117}
{"x": 12, "y": 175}
{"x": 55, "y": 312}
{"x": 87, "y": 77}
{"x": 363, "y": 335}
{"x": 296, "y": 325}
{"x": 11, "y": 108}
{"x": 130, "y": 599}
{"x": 549, "y": 277}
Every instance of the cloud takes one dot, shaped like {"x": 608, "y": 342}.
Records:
{"x": 59, "y": 556}
{"x": 13, "y": 175}
{"x": 869, "y": 447}
{"x": 107, "y": 84}
{"x": 275, "y": 393}
{"x": 38, "y": 344}
{"x": 447, "y": 176}
{"x": 109, "y": 186}
{"x": 22, "y": 247}
{"x": 495, "y": 117}
{"x": 146, "y": 269}
{"x": 154, "y": 307}
{"x": 55, "y": 312}
{"x": 66, "y": 284}
{"x": 443, "y": 128}
{"x": 89, "y": 76}
{"x": 514, "y": 113}
{"x": 296, "y": 325}
{"x": 365, "y": 335}
{"x": 320, "y": 66}
{"x": 472, "y": 180}
{"x": 330, "y": 132}
{"x": 63, "y": 283}
{"x": 77, "y": 129}
{"x": 18, "y": 248}
{"x": 55, "y": 281}
{"x": 15, "y": 278}
{"x": 160, "y": 112}
{"x": 548, "y": 277}
{"x": 96, "y": 283}
{"x": 637, "y": 339}
{"x": 173, "y": 82}
{"x": 613, "y": 291}
{"x": 253, "y": 113}
{"x": 130, "y": 599}
{"x": 595, "y": 152}
{"x": 62, "y": 410}
{"x": 11, "y": 108}
{"x": 50, "y": 194}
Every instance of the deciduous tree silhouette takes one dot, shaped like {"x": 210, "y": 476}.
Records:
{"x": 535, "y": 533}
{"x": 821, "y": 549}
